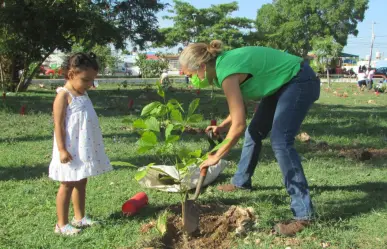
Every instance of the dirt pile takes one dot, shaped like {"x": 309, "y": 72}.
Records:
{"x": 218, "y": 226}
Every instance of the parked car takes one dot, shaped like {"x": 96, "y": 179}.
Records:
{"x": 381, "y": 71}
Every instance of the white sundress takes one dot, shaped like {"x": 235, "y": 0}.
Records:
{"x": 83, "y": 142}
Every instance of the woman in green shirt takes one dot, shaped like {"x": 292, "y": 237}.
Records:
{"x": 287, "y": 88}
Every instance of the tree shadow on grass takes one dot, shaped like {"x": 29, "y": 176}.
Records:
{"x": 334, "y": 210}
{"x": 113, "y": 103}
{"x": 23, "y": 172}
{"x": 345, "y": 121}
{"x": 374, "y": 200}
{"x": 11, "y": 140}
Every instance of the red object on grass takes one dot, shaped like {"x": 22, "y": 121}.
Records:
{"x": 23, "y": 110}
{"x": 134, "y": 204}
{"x": 198, "y": 92}
{"x": 213, "y": 122}
{"x": 130, "y": 104}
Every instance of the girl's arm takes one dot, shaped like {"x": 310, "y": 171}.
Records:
{"x": 60, "y": 105}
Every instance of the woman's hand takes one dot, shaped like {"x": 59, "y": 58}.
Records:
{"x": 216, "y": 129}
{"x": 65, "y": 156}
{"x": 210, "y": 161}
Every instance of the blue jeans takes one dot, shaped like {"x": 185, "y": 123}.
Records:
{"x": 282, "y": 113}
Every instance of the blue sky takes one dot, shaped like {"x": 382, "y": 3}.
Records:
{"x": 359, "y": 45}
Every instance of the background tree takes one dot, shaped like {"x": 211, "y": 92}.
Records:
{"x": 106, "y": 59}
{"x": 326, "y": 51}
{"x": 151, "y": 68}
{"x": 31, "y": 30}
{"x": 292, "y": 24}
{"x": 203, "y": 25}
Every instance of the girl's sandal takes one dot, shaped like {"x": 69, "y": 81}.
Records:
{"x": 67, "y": 230}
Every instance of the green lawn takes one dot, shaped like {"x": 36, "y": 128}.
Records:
{"x": 350, "y": 196}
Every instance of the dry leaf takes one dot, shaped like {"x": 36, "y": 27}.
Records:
{"x": 325, "y": 244}
{"x": 161, "y": 224}
{"x": 258, "y": 241}
{"x": 304, "y": 137}
{"x": 371, "y": 101}
{"x": 146, "y": 227}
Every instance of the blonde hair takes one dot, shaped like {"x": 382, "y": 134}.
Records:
{"x": 196, "y": 54}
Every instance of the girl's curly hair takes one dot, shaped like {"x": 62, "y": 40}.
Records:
{"x": 79, "y": 61}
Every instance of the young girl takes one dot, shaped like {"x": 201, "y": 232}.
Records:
{"x": 78, "y": 150}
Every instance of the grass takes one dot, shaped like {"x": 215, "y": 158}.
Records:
{"x": 350, "y": 196}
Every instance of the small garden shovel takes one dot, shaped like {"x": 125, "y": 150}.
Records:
{"x": 190, "y": 210}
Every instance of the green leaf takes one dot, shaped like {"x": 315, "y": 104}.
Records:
{"x": 160, "y": 90}
{"x": 180, "y": 166}
{"x": 172, "y": 138}
{"x": 183, "y": 153}
{"x": 120, "y": 163}
{"x": 217, "y": 147}
{"x": 168, "y": 180}
{"x": 148, "y": 138}
{"x": 183, "y": 171}
{"x": 196, "y": 153}
{"x": 161, "y": 224}
{"x": 168, "y": 130}
{"x": 144, "y": 148}
{"x": 192, "y": 107}
{"x": 191, "y": 162}
{"x": 140, "y": 174}
{"x": 149, "y": 108}
{"x": 176, "y": 116}
{"x": 173, "y": 103}
{"x": 195, "y": 118}
{"x": 177, "y": 127}
{"x": 160, "y": 110}
{"x": 139, "y": 124}
{"x": 152, "y": 124}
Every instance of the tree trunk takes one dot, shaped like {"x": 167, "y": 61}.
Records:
{"x": 328, "y": 78}
{"x": 2, "y": 77}
{"x": 24, "y": 81}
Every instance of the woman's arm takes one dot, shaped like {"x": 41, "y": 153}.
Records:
{"x": 226, "y": 123}
{"x": 237, "y": 117}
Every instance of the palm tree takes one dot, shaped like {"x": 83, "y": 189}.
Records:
{"x": 326, "y": 50}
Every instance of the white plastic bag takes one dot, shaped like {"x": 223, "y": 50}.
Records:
{"x": 155, "y": 172}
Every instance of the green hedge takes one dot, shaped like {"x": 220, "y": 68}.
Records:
{"x": 106, "y": 77}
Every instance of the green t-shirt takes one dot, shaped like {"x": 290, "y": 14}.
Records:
{"x": 270, "y": 69}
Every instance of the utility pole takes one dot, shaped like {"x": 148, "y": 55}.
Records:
{"x": 372, "y": 45}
